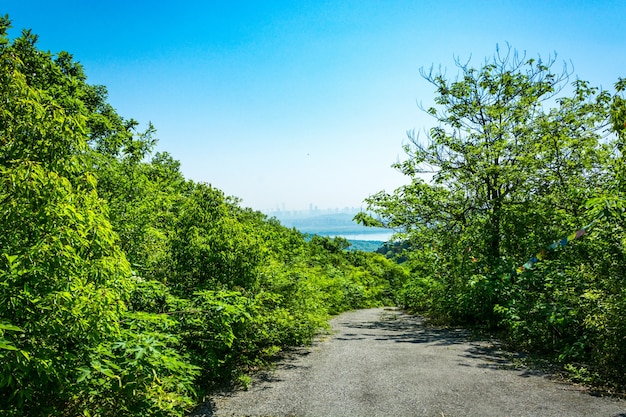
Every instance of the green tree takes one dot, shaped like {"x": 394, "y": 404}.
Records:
{"x": 496, "y": 147}
{"x": 63, "y": 278}
{"x": 68, "y": 343}
{"x": 212, "y": 248}
{"x": 516, "y": 165}
{"x": 508, "y": 173}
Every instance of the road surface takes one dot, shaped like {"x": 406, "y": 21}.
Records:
{"x": 383, "y": 363}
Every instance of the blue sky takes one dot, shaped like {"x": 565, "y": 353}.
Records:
{"x": 298, "y": 103}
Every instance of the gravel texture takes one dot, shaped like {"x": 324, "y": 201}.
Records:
{"x": 383, "y": 363}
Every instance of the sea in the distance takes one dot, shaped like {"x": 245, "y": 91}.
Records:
{"x": 378, "y": 236}
{"x": 332, "y": 224}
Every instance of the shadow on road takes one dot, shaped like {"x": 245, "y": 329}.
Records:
{"x": 403, "y": 328}
{"x": 391, "y": 331}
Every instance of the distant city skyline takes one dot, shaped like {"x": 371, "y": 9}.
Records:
{"x": 283, "y": 208}
{"x": 304, "y": 102}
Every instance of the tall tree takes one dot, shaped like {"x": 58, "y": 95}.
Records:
{"x": 511, "y": 157}
{"x": 519, "y": 160}
{"x": 68, "y": 344}
{"x": 63, "y": 278}
{"x": 496, "y": 147}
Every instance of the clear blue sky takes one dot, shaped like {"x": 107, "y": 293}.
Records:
{"x": 303, "y": 102}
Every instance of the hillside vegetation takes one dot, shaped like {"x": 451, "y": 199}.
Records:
{"x": 126, "y": 289}
{"x": 523, "y": 226}
{"x": 129, "y": 290}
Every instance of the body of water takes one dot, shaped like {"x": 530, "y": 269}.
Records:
{"x": 381, "y": 237}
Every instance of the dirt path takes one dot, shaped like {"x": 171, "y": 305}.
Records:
{"x": 384, "y": 363}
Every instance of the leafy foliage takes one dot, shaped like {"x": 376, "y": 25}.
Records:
{"x": 516, "y": 165}
{"x": 126, "y": 289}
{"x": 64, "y": 280}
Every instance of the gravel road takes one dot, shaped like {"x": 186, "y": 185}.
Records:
{"x": 381, "y": 362}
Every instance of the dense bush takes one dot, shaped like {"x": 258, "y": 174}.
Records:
{"x": 511, "y": 177}
{"x": 126, "y": 289}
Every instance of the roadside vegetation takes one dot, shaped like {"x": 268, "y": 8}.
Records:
{"x": 126, "y": 289}
{"x": 522, "y": 228}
